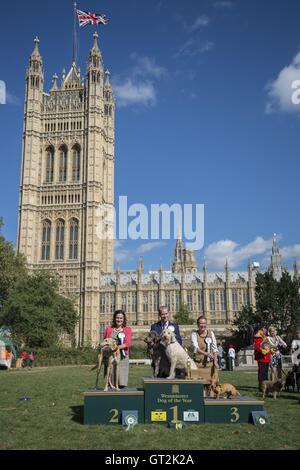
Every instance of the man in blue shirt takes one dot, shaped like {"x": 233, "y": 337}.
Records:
{"x": 165, "y": 324}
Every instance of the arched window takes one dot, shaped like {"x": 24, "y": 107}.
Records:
{"x": 73, "y": 251}
{"x": 212, "y": 300}
{"x": 76, "y": 164}
{"x": 46, "y": 239}
{"x": 63, "y": 164}
{"x": 49, "y": 165}
{"x": 60, "y": 239}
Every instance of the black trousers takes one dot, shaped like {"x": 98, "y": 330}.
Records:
{"x": 263, "y": 369}
{"x": 298, "y": 381}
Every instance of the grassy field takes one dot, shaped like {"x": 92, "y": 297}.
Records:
{"x": 52, "y": 419}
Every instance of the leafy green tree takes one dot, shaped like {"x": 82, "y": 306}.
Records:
{"x": 12, "y": 267}
{"x": 182, "y": 317}
{"x": 36, "y": 313}
{"x": 277, "y": 304}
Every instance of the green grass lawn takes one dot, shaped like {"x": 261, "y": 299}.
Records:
{"x": 52, "y": 419}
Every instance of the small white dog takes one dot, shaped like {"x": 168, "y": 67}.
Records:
{"x": 177, "y": 356}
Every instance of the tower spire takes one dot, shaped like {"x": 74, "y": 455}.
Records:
{"x": 276, "y": 261}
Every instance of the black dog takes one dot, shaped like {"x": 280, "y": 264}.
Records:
{"x": 289, "y": 381}
{"x": 156, "y": 351}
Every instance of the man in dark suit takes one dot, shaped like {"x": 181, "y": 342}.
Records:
{"x": 164, "y": 324}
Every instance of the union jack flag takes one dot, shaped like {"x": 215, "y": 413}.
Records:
{"x": 86, "y": 18}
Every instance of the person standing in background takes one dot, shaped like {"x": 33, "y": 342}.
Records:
{"x": 31, "y": 359}
{"x": 231, "y": 357}
{"x": 24, "y": 359}
{"x": 276, "y": 362}
{"x": 262, "y": 354}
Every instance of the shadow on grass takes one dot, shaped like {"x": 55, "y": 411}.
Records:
{"x": 77, "y": 414}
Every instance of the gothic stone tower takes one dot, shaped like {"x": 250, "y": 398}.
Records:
{"x": 67, "y": 175}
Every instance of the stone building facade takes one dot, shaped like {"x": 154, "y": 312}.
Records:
{"x": 67, "y": 184}
{"x": 67, "y": 174}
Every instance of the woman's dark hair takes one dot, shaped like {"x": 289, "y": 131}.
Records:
{"x": 202, "y": 317}
{"x": 117, "y": 312}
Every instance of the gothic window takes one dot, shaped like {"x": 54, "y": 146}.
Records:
{"x": 49, "y": 165}
{"x": 63, "y": 164}
{"x": 101, "y": 331}
{"x": 190, "y": 300}
{"x": 223, "y": 299}
{"x": 46, "y": 238}
{"x": 60, "y": 239}
{"x": 73, "y": 249}
{"x": 200, "y": 300}
{"x": 155, "y": 301}
{"x": 106, "y": 110}
{"x": 76, "y": 164}
{"x": 245, "y": 297}
{"x": 102, "y": 303}
{"x": 168, "y": 299}
{"x": 112, "y": 303}
{"x": 212, "y": 300}
{"x": 133, "y": 302}
{"x": 123, "y": 302}
{"x": 145, "y": 303}
{"x": 177, "y": 295}
{"x": 234, "y": 299}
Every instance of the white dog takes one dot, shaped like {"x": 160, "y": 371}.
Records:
{"x": 177, "y": 356}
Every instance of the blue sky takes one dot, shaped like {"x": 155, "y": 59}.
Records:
{"x": 203, "y": 114}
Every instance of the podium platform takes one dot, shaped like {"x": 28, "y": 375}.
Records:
{"x": 168, "y": 400}
{"x": 106, "y": 407}
{"x": 163, "y": 401}
{"x": 231, "y": 410}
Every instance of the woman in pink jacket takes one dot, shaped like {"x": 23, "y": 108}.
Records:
{"x": 122, "y": 333}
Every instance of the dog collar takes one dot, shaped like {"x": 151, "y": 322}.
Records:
{"x": 115, "y": 350}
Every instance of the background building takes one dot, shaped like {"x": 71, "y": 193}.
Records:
{"x": 67, "y": 174}
{"x": 67, "y": 184}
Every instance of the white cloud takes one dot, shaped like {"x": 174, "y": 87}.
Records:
{"x": 12, "y": 99}
{"x": 139, "y": 87}
{"x": 280, "y": 91}
{"x": 217, "y": 253}
{"x": 223, "y": 4}
{"x": 201, "y": 22}
{"x": 147, "y": 67}
{"x": 292, "y": 251}
{"x": 194, "y": 46}
{"x": 124, "y": 254}
{"x": 121, "y": 254}
{"x": 133, "y": 92}
{"x": 145, "y": 247}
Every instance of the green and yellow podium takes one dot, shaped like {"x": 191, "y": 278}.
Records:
{"x": 164, "y": 401}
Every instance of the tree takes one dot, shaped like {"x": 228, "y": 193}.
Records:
{"x": 36, "y": 313}
{"x": 182, "y": 317}
{"x": 12, "y": 267}
{"x": 277, "y": 304}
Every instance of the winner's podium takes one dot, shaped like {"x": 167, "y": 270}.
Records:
{"x": 173, "y": 400}
{"x": 164, "y": 401}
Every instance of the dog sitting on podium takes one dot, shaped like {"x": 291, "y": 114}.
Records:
{"x": 156, "y": 351}
{"x": 223, "y": 389}
{"x": 109, "y": 356}
{"x": 180, "y": 362}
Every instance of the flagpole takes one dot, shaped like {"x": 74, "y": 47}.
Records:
{"x": 75, "y": 34}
